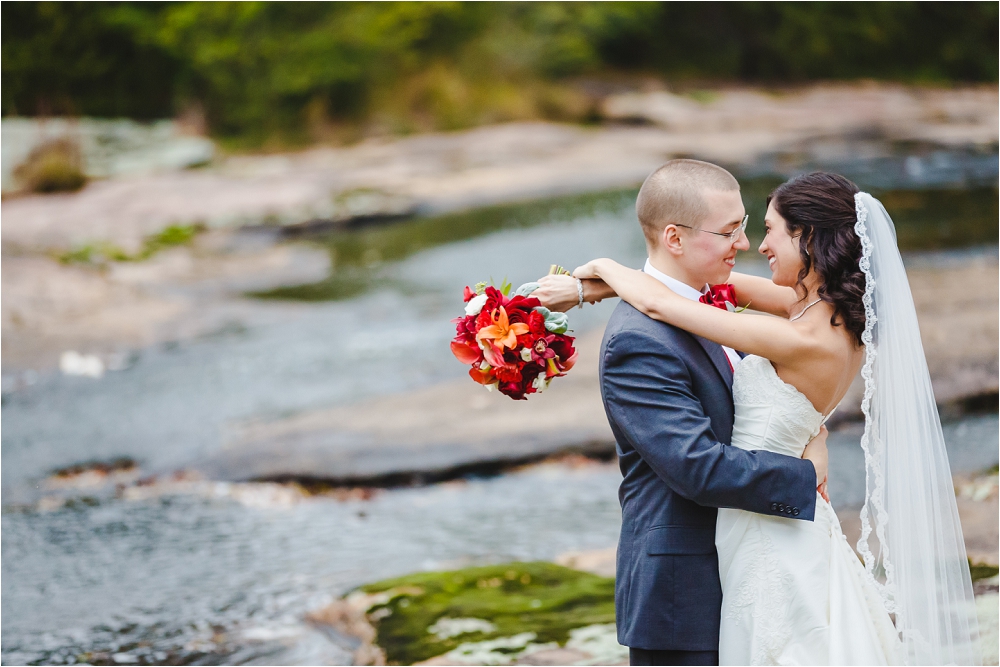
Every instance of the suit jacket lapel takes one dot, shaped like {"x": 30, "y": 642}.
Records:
{"x": 718, "y": 357}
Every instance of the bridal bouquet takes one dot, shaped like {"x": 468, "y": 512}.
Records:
{"x": 513, "y": 344}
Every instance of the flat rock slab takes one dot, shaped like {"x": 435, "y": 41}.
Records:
{"x": 459, "y": 425}
{"x": 425, "y": 433}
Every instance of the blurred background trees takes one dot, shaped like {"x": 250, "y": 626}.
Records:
{"x": 288, "y": 73}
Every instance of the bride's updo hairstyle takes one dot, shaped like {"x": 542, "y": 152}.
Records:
{"x": 819, "y": 208}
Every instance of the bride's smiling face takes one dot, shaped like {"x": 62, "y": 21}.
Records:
{"x": 781, "y": 249}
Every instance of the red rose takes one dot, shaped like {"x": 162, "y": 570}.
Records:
{"x": 495, "y": 299}
{"x": 565, "y": 356}
{"x": 536, "y": 322}
{"x": 508, "y": 373}
{"x": 525, "y": 303}
{"x": 519, "y": 390}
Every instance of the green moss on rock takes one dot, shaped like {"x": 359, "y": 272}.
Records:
{"x": 982, "y": 570}
{"x": 540, "y": 598}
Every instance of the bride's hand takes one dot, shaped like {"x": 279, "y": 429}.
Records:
{"x": 590, "y": 271}
{"x": 558, "y": 293}
{"x": 816, "y": 452}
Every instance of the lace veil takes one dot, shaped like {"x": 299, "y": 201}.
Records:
{"x": 917, "y": 544}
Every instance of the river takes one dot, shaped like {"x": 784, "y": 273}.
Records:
{"x": 221, "y": 574}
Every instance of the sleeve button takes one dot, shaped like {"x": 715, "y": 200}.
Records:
{"x": 795, "y": 511}
{"x": 774, "y": 507}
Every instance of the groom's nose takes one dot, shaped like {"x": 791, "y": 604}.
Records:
{"x": 743, "y": 244}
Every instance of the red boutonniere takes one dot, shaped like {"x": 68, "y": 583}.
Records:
{"x": 722, "y": 296}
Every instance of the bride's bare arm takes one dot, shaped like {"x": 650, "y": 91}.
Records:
{"x": 560, "y": 292}
{"x": 772, "y": 338}
{"x": 763, "y": 295}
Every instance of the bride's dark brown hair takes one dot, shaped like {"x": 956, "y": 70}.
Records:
{"x": 819, "y": 209}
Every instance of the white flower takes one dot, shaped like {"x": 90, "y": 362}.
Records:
{"x": 475, "y": 304}
{"x": 526, "y": 354}
{"x": 540, "y": 383}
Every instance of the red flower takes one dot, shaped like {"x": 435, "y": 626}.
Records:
{"x": 520, "y": 389}
{"x": 508, "y": 373}
{"x": 509, "y": 337}
{"x": 720, "y": 296}
{"x": 540, "y": 350}
{"x": 495, "y": 299}
{"x": 536, "y": 322}
{"x": 466, "y": 353}
{"x": 481, "y": 376}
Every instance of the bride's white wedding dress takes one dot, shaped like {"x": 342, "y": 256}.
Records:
{"x": 794, "y": 592}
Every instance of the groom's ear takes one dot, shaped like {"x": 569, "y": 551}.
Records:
{"x": 671, "y": 240}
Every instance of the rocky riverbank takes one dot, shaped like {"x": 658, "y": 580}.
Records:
{"x": 96, "y": 303}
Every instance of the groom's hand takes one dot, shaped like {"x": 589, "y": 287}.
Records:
{"x": 816, "y": 452}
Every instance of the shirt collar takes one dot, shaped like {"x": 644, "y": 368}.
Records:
{"x": 675, "y": 285}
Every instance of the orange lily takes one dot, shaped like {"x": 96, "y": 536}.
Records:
{"x": 502, "y": 331}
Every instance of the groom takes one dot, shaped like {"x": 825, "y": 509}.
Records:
{"x": 668, "y": 396}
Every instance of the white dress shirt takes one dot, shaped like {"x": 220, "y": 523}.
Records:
{"x": 687, "y": 292}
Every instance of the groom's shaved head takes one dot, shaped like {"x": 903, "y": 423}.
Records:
{"x": 674, "y": 194}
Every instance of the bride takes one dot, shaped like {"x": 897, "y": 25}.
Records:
{"x": 793, "y": 591}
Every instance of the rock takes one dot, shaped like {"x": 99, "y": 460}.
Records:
{"x": 105, "y": 312}
{"x": 661, "y": 108}
{"x": 596, "y": 561}
{"x": 109, "y": 147}
{"x": 819, "y": 111}
{"x": 72, "y": 362}
{"x": 514, "y": 613}
{"x": 743, "y": 128}
{"x": 428, "y": 435}
{"x": 989, "y": 622}
{"x": 346, "y": 624}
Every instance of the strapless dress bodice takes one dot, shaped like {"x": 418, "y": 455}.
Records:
{"x": 793, "y": 591}
{"x": 769, "y": 413}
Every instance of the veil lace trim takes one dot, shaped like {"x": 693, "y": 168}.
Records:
{"x": 874, "y": 475}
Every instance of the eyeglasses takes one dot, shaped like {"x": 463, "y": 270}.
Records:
{"x": 733, "y": 236}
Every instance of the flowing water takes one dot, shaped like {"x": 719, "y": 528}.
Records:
{"x": 215, "y": 573}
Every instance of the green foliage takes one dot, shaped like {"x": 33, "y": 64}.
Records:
{"x": 174, "y": 235}
{"x": 539, "y": 597}
{"x": 84, "y": 58}
{"x": 305, "y": 71}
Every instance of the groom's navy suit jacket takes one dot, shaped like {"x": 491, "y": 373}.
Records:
{"x": 668, "y": 396}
